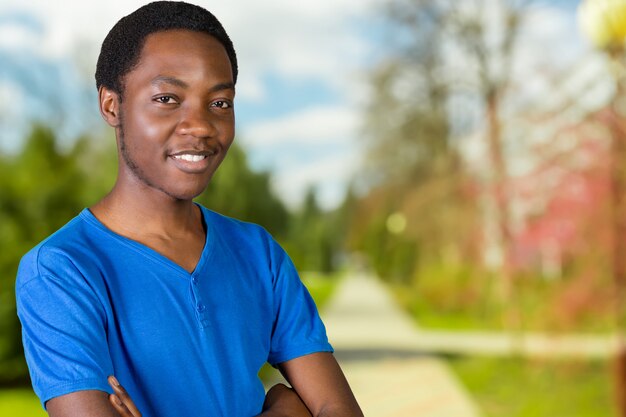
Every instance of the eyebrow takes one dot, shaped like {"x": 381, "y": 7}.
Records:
{"x": 164, "y": 79}
{"x": 222, "y": 86}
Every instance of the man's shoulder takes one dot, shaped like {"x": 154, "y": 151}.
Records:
{"x": 53, "y": 250}
{"x": 247, "y": 237}
{"x": 229, "y": 226}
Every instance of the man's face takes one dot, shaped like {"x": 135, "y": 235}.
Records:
{"x": 176, "y": 117}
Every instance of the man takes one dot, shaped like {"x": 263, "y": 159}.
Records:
{"x": 181, "y": 304}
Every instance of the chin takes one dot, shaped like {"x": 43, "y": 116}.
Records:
{"x": 187, "y": 193}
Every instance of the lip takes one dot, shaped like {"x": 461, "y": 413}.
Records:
{"x": 191, "y": 167}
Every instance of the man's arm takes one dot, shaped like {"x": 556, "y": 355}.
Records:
{"x": 88, "y": 403}
{"x": 280, "y": 401}
{"x": 93, "y": 403}
{"x": 319, "y": 381}
{"x": 317, "y": 378}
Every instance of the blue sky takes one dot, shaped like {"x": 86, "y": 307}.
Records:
{"x": 299, "y": 97}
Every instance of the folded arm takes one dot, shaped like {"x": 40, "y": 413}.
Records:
{"x": 88, "y": 403}
{"x": 319, "y": 389}
{"x": 322, "y": 386}
{"x": 93, "y": 403}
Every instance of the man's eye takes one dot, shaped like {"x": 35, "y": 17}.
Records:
{"x": 165, "y": 99}
{"x": 222, "y": 104}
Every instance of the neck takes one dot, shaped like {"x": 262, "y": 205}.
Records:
{"x": 141, "y": 211}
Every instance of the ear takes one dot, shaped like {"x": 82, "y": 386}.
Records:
{"x": 109, "y": 106}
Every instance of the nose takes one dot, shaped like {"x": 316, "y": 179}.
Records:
{"x": 196, "y": 121}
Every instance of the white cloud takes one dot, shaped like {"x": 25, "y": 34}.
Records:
{"x": 556, "y": 30}
{"x": 14, "y": 36}
{"x": 330, "y": 176}
{"x": 328, "y": 132}
{"x": 295, "y": 40}
{"x": 11, "y": 104}
{"x": 317, "y": 126}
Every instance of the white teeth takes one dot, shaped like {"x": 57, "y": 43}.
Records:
{"x": 190, "y": 158}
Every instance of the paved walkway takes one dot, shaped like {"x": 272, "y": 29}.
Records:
{"x": 376, "y": 343}
{"x": 363, "y": 315}
{"x": 535, "y": 345}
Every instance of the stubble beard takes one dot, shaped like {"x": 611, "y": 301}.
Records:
{"x": 134, "y": 168}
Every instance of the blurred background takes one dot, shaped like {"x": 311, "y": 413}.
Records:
{"x": 448, "y": 176}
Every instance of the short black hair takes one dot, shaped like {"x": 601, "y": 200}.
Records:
{"x": 122, "y": 47}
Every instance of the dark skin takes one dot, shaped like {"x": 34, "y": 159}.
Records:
{"x": 279, "y": 401}
{"x": 174, "y": 125}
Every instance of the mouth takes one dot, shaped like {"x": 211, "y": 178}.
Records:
{"x": 189, "y": 157}
{"x": 191, "y": 161}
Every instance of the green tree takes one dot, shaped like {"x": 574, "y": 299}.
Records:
{"x": 238, "y": 191}
{"x": 311, "y": 239}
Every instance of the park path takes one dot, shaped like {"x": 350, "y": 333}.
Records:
{"x": 375, "y": 343}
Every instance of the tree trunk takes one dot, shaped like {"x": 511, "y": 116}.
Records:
{"x": 499, "y": 190}
{"x": 618, "y": 188}
{"x": 620, "y": 377}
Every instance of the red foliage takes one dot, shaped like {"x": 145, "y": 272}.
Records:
{"x": 566, "y": 201}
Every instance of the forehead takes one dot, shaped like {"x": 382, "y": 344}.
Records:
{"x": 183, "y": 51}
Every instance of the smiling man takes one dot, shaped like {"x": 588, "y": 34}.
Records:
{"x": 181, "y": 304}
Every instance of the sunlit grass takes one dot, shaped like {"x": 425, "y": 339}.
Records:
{"x": 525, "y": 388}
{"x": 20, "y": 402}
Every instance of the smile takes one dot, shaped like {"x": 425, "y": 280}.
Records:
{"x": 189, "y": 158}
{"x": 192, "y": 162}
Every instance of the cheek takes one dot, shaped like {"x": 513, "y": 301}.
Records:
{"x": 147, "y": 132}
{"x": 227, "y": 133}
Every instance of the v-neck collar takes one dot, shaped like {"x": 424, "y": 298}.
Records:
{"x": 88, "y": 216}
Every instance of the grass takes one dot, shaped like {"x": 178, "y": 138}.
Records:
{"x": 20, "y": 402}
{"x": 525, "y": 388}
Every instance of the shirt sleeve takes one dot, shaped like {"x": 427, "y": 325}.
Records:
{"x": 63, "y": 333}
{"x": 298, "y": 329}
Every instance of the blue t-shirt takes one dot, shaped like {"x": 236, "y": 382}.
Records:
{"x": 93, "y": 303}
